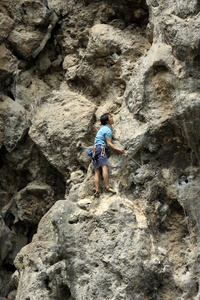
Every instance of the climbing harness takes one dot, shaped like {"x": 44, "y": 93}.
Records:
{"x": 103, "y": 151}
{"x": 93, "y": 152}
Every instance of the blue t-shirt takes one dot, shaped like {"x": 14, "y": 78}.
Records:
{"x": 103, "y": 133}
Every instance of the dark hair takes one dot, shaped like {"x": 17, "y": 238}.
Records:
{"x": 104, "y": 118}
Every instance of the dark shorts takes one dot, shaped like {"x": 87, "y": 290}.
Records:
{"x": 100, "y": 159}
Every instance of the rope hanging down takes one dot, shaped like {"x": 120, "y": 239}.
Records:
{"x": 133, "y": 160}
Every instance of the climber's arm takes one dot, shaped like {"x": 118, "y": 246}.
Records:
{"x": 110, "y": 145}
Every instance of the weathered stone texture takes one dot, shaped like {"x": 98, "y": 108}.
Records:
{"x": 60, "y": 137}
{"x": 62, "y": 65}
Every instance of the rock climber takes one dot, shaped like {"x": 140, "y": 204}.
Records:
{"x": 103, "y": 140}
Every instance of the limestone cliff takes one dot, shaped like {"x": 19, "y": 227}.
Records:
{"x": 62, "y": 65}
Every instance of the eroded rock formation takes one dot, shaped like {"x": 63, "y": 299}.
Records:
{"x": 62, "y": 65}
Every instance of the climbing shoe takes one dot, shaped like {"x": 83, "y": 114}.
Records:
{"x": 110, "y": 190}
{"x": 97, "y": 194}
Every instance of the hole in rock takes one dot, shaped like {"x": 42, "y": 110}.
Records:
{"x": 9, "y": 267}
{"x": 196, "y": 67}
{"x": 23, "y": 179}
{"x": 83, "y": 169}
{"x": 56, "y": 180}
{"x": 132, "y": 187}
{"x": 9, "y": 219}
{"x": 64, "y": 292}
{"x": 31, "y": 231}
{"x": 189, "y": 150}
{"x": 159, "y": 68}
{"x": 73, "y": 221}
{"x": 175, "y": 206}
{"x": 10, "y": 94}
{"x": 130, "y": 12}
{"x": 175, "y": 223}
{"x": 197, "y": 287}
{"x": 46, "y": 282}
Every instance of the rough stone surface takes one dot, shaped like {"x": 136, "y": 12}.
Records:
{"x": 62, "y": 65}
{"x": 60, "y": 137}
{"x": 8, "y": 66}
{"x": 14, "y": 123}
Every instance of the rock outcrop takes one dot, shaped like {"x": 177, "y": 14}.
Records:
{"x": 62, "y": 65}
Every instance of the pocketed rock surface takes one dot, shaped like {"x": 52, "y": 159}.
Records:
{"x": 62, "y": 65}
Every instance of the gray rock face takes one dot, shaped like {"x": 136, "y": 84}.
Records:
{"x": 103, "y": 243}
{"x": 62, "y": 65}
{"x": 65, "y": 131}
{"x": 98, "y": 251}
{"x": 8, "y": 65}
{"x": 14, "y": 123}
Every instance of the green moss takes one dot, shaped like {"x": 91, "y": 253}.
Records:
{"x": 19, "y": 266}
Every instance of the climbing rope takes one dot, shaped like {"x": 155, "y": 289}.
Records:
{"x": 133, "y": 159}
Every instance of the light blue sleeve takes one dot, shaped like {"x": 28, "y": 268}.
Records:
{"x": 108, "y": 133}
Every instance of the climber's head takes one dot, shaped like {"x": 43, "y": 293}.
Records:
{"x": 106, "y": 119}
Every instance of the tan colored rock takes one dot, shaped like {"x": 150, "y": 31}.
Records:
{"x": 31, "y": 203}
{"x": 8, "y": 65}
{"x": 11, "y": 8}
{"x": 62, "y": 122}
{"x": 35, "y": 12}
{"x": 182, "y": 35}
{"x": 14, "y": 123}
{"x": 61, "y": 7}
{"x": 104, "y": 40}
{"x": 74, "y": 61}
{"x": 109, "y": 58}
{"x": 71, "y": 73}
{"x": 25, "y": 41}
{"x": 69, "y": 61}
{"x": 44, "y": 64}
{"x": 159, "y": 59}
{"x": 71, "y": 230}
{"x": 29, "y": 89}
{"x": 6, "y": 24}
